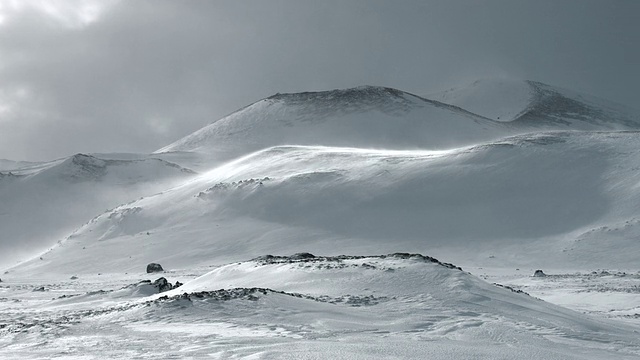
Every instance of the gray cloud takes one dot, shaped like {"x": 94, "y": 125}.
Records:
{"x": 141, "y": 74}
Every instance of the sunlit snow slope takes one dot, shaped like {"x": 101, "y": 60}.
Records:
{"x": 547, "y": 199}
{"x": 42, "y": 203}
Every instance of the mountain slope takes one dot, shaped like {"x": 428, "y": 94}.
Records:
{"x": 47, "y": 201}
{"x": 448, "y": 185}
{"x": 370, "y": 117}
{"x": 536, "y": 106}
{"x": 533, "y": 199}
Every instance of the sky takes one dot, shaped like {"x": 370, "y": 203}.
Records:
{"x": 133, "y": 76}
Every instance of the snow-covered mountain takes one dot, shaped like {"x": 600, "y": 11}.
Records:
{"x": 385, "y": 118}
{"x": 368, "y": 117}
{"x": 509, "y": 176}
{"x": 535, "y": 106}
{"x": 43, "y": 202}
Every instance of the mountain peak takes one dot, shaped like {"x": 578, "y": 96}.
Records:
{"x": 321, "y": 104}
{"x": 364, "y": 116}
{"x": 350, "y": 94}
{"x": 532, "y": 105}
{"x": 554, "y": 105}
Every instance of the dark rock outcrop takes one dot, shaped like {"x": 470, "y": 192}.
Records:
{"x": 302, "y": 255}
{"x": 154, "y": 267}
{"x": 164, "y": 285}
{"x": 539, "y": 273}
{"x": 310, "y": 258}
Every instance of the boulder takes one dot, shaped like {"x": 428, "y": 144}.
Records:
{"x": 539, "y": 273}
{"x": 153, "y": 267}
{"x": 164, "y": 285}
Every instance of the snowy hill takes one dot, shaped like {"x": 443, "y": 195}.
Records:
{"x": 49, "y": 200}
{"x": 540, "y": 199}
{"x": 385, "y": 118}
{"x": 370, "y": 117}
{"x": 361, "y": 171}
{"x": 536, "y": 106}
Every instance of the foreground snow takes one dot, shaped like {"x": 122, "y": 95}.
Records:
{"x": 303, "y": 307}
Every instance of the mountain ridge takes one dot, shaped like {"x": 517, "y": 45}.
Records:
{"x": 367, "y": 116}
{"x": 536, "y": 106}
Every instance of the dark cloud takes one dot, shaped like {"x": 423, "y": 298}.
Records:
{"x": 141, "y": 74}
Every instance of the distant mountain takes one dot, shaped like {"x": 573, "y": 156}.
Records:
{"x": 366, "y": 117}
{"x": 386, "y": 118}
{"x": 43, "y": 202}
{"x": 531, "y": 105}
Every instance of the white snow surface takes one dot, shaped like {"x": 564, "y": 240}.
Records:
{"x": 360, "y": 172}
{"x": 543, "y": 199}
{"x": 395, "y": 306}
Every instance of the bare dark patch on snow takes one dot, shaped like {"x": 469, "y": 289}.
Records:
{"x": 337, "y": 261}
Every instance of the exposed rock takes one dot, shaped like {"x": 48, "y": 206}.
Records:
{"x": 164, "y": 285}
{"x": 154, "y": 267}
{"x": 302, "y": 255}
{"x": 517, "y": 291}
{"x": 310, "y": 258}
{"x": 539, "y": 273}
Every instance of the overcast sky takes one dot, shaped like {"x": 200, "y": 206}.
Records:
{"x": 133, "y": 76}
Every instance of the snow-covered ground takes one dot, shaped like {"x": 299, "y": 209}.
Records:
{"x": 302, "y": 307}
{"x": 547, "y": 186}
